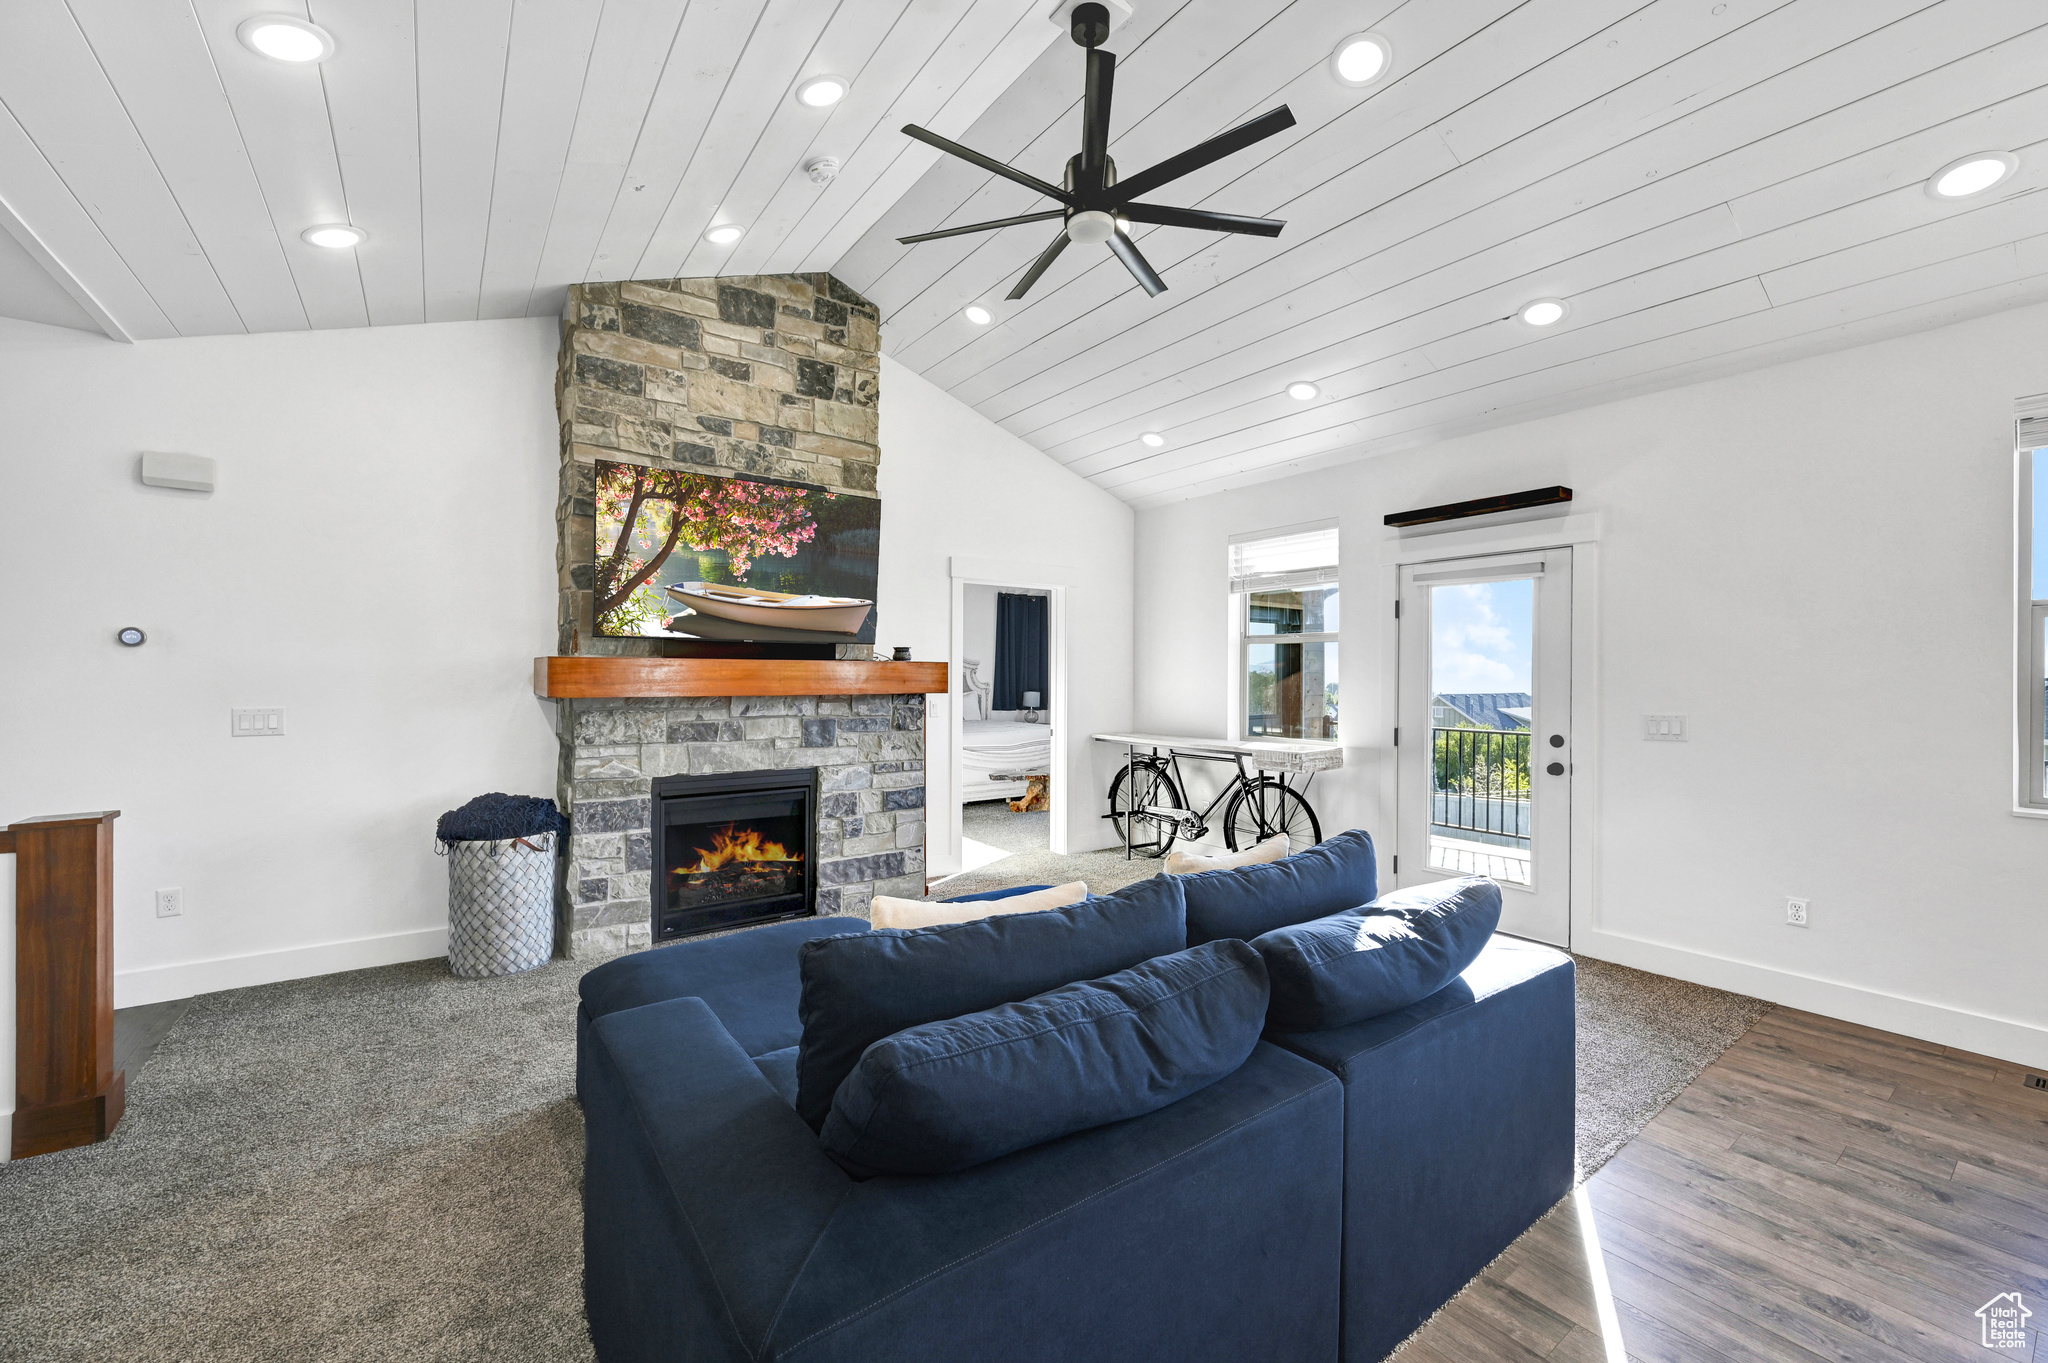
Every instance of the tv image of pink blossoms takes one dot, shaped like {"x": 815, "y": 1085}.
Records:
{"x": 699, "y": 555}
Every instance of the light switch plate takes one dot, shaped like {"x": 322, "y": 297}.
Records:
{"x": 1664, "y": 728}
{"x": 260, "y": 723}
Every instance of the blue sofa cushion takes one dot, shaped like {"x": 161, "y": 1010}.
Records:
{"x": 748, "y": 978}
{"x": 949, "y": 1095}
{"x": 859, "y": 989}
{"x": 1380, "y": 957}
{"x": 995, "y": 894}
{"x": 1338, "y": 873}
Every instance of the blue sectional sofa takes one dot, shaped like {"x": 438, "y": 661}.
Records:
{"x": 1315, "y": 1204}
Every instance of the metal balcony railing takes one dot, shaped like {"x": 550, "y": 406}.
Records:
{"x": 1480, "y": 780}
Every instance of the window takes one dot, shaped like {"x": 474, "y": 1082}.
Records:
{"x": 1284, "y": 587}
{"x": 2031, "y": 569}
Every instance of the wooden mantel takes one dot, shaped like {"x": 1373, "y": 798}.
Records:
{"x": 563, "y": 677}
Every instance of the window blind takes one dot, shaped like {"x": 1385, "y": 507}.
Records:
{"x": 2033, "y": 422}
{"x": 1298, "y": 559}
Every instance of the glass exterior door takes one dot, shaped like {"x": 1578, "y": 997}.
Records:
{"x": 1484, "y": 760}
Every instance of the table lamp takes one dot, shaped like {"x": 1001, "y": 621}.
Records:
{"x": 1030, "y": 715}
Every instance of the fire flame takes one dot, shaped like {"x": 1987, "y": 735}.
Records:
{"x": 737, "y": 846}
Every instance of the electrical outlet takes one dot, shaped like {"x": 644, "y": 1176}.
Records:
{"x": 170, "y": 903}
{"x": 1664, "y": 728}
{"x": 264, "y": 723}
{"x": 1795, "y": 913}
{"x": 2035, "y": 1081}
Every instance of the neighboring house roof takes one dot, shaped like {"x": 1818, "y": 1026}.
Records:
{"x": 1490, "y": 709}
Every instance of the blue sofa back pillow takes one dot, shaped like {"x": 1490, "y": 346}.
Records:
{"x": 953, "y": 1094}
{"x": 1337, "y": 873}
{"x": 893, "y": 978}
{"x": 1377, "y": 958}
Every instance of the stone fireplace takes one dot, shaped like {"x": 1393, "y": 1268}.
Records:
{"x": 867, "y": 753}
{"x": 775, "y": 376}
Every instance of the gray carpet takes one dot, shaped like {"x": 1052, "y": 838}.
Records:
{"x": 1025, "y": 836}
{"x": 385, "y": 1165}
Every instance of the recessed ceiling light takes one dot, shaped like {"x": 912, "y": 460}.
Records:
{"x": 1362, "y": 59}
{"x": 1153, "y": 438}
{"x": 1303, "y": 392}
{"x": 335, "y": 236}
{"x": 821, "y": 92}
{"x": 1972, "y": 174}
{"x": 282, "y": 38}
{"x": 977, "y": 314}
{"x": 1544, "y": 312}
{"x": 725, "y": 234}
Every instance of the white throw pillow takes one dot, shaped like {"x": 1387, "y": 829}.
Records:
{"x": 1187, "y": 863}
{"x": 889, "y": 912}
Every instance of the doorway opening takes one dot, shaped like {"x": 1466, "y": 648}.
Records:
{"x": 1484, "y": 745}
{"x": 1003, "y": 763}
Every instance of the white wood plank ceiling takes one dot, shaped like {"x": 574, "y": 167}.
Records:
{"x": 494, "y": 150}
{"x": 1710, "y": 184}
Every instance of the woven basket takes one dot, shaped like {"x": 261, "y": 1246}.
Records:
{"x": 501, "y": 905}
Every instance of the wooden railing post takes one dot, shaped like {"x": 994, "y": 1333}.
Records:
{"x": 67, "y": 1091}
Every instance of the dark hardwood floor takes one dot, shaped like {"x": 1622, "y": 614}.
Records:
{"x": 1821, "y": 1192}
{"x": 140, "y": 1030}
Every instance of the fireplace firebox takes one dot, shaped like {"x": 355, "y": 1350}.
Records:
{"x": 732, "y": 849}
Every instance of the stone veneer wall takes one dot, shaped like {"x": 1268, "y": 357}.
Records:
{"x": 773, "y": 375}
{"x": 869, "y": 751}
{"x": 776, "y": 375}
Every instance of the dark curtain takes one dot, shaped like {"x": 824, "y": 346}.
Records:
{"x": 1020, "y": 652}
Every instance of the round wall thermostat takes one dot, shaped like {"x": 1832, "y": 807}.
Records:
{"x": 132, "y": 637}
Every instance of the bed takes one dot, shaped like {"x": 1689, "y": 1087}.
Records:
{"x": 992, "y": 746}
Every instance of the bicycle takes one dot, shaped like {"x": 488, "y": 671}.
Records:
{"x": 1146, "y": 793}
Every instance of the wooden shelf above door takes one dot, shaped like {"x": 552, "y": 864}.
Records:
{"x": 565, "y": 678}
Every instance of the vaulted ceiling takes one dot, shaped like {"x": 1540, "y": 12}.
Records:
{"x": 1709, "y": 184}
{"x": 495, "y": 150}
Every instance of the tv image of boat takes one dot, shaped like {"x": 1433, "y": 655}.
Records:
{"x": 775, "y": 610}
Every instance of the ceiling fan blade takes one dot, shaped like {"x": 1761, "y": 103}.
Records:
{"x": 1201, "y": 218}
{"x": 1140, "y": 268}
{"x": 1215, "y": 149}
{"x": 1046, "y": 216}
{"x": 987, "y": 163}
{"x": 1038, "y": 266}
{"x": 1095, "y": 121}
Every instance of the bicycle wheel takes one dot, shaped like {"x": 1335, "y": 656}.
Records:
{"x": 1267, "y": 808}
{"x": 1154, "y": 787}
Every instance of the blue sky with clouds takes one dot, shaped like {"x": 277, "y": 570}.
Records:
{"x": 1482, "y": 636}
{"x": 2041, "y": 525}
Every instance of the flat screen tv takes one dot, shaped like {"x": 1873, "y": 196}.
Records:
{"x": 732, "y": 558}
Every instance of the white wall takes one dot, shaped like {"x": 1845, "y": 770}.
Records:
{"x": 378, "y": 559}
{"x": 978, "y": 634}
{"x": 956, "y": 486}
{"x": 1814, "y": 563}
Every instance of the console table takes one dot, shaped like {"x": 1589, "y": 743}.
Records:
{"x": 67, "y": 1091}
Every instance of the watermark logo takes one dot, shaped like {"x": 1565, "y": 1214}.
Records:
{"x": 2005, "y": 1321}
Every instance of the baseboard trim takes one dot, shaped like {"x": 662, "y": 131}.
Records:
{"x": 183, "y": 979}
{"x": 2021, "y": 1043}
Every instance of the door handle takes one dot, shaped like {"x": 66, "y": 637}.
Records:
{"x": 1555, "y": 769}
{"x": 1557, "y": 740}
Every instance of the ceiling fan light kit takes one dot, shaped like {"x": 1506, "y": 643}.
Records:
{"x": 1096, "y": 207}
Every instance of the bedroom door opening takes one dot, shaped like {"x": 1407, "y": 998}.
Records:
{"x": 1010, "y": 711}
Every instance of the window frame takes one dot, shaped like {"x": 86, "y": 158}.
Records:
{"x": 2030, "y": 643}
{"x": 1246, "y": 641}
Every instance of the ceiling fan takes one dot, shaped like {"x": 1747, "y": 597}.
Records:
{"x": 1098, "y": 207}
